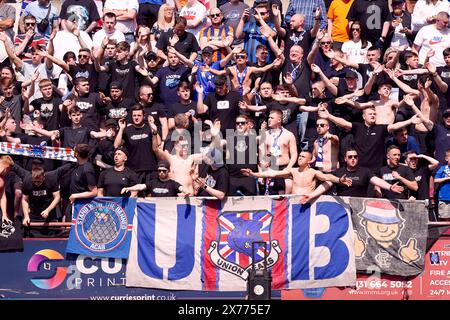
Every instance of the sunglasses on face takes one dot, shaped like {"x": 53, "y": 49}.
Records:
{"x": 215, "y": 15}
{"x": 352, "y": 156}
{"x": 83, "y": 56}
{"x": 263, "y": 13}
{"x": 356, "y": 30}
{"x": 321, "y": 125}
{"x": 162, "y": 170}
{"x": 446, "y": 116}
{"x": 325, "y": 42}
{"x": 30, "y": 23}
{"x": 241, "y": 122}
{"x": 241, "y": 56}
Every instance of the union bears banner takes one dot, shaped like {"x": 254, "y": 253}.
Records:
{"x": 37, "y": 151}
{"x": 207, "y": 245}
{"x": 391, "y": 235}
{"x": 101, "y": 227}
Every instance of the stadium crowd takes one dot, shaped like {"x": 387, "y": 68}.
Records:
{"x": 341, "y": 97}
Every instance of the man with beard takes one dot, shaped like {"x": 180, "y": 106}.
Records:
{"x": 113, "y": 180}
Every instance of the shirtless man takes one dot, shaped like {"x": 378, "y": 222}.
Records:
{"x": 326, "y": 147}
{"x": 386, "y": 109}
{"x": 279, "y": 142}
{"x": 6, "y": 164}
{"x": 305, "y": 179}
{"x": 181, "y": 163}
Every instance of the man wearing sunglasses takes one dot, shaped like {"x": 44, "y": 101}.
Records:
{"x": 217, "y": 36}
{"x": 253, "y": 31}
{"x": 30, "y": 38}
{"x": 361, "y": 178}
{"x": 163, "y": 186}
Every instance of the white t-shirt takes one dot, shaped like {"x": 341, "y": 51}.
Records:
{"x": 101, "y": 34}
{"x": 198, "y": 10}
{"x": 126, "y": 26}
{"x": 431, "y": 38}
{"x": 64, "y": 42}
{"x": 354, "y": 51}
{"x": 399, "y": 39}
{"x": 422, "y": 11}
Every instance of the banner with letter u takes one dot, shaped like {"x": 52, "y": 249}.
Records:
{"x": 207, "y": 245}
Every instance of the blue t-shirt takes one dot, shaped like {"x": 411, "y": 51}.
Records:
{"x": 444, "y": 190}
{"x": 169, "y": 79}
{"x": 206, "y": 79}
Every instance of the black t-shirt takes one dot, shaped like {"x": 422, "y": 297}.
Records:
{"x": 186, "y": 45}
{"x": 243, "y": 154}
{"x": 156, "y": 111}
{"x": 158, "y": 188}
{"x": 127, "y": 75}
{"x": 105, "y": 148}
{"x": 119, "y": 109}
{"x": 369, "y": 142}
{"x": 90, "y": 105}
{"x": 70, "y": 137}
{"x": 444, "y": 98}
{"x": 49, "y": 111}
{"x": 40, "y": 197}
{"x": 301, "y": 75}
{"x": 385, "y": 173}
{"x": 301, "y": 38}
{"x": 83, "y": 177}
{"x": 178, "y": 107}
{"x": 138, "y": 141}
{"x": 366, "y": 71}
{"x": 217, "y": 179}
{"x": 112, "y": 181}
{"x": 84, "y": 11}
{"x": 87, "y": 71}
{"x": 360, "y": 182}
{"x": 370, "y": 13}
{"x": 422, "y": 176}
{"x": 225, "y": 108}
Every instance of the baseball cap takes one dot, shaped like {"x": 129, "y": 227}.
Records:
{"x": 207, "y": 50}
{"x": 164, "y": 164}
{"x": 446, "y": 112}
{"x": 397, "y": 2}
{"x": 116, "y": 85}
{"x": 150, "y": 56}
{"x": 351, "y": 74}
{"x": 111, "y": 122}
{"x": 123, "y": 149}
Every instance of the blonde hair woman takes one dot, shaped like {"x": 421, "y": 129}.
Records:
{"x": 165, "y": 22}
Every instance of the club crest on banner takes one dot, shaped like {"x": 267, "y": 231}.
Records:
{"x": 101, "y": 226}
{"x": 232, "y": 251}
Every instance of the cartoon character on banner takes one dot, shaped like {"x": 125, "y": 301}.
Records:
{"x": 383, "y": 224}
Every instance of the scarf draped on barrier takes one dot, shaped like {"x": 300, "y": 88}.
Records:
{"x": 36, "y": 151}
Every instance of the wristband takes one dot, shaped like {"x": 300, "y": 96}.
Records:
{"x": 103, "y": 46}
{"x": 154, "y": 133}
{"x": 434, "y": 74}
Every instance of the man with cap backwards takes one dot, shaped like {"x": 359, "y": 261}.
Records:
{"x": 112, "y": 181}
{"x": 383, "y": 225}
{"x": 161, "y": 187}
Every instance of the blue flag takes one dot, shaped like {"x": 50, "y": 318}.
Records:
{"x": 101, "y": 227}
